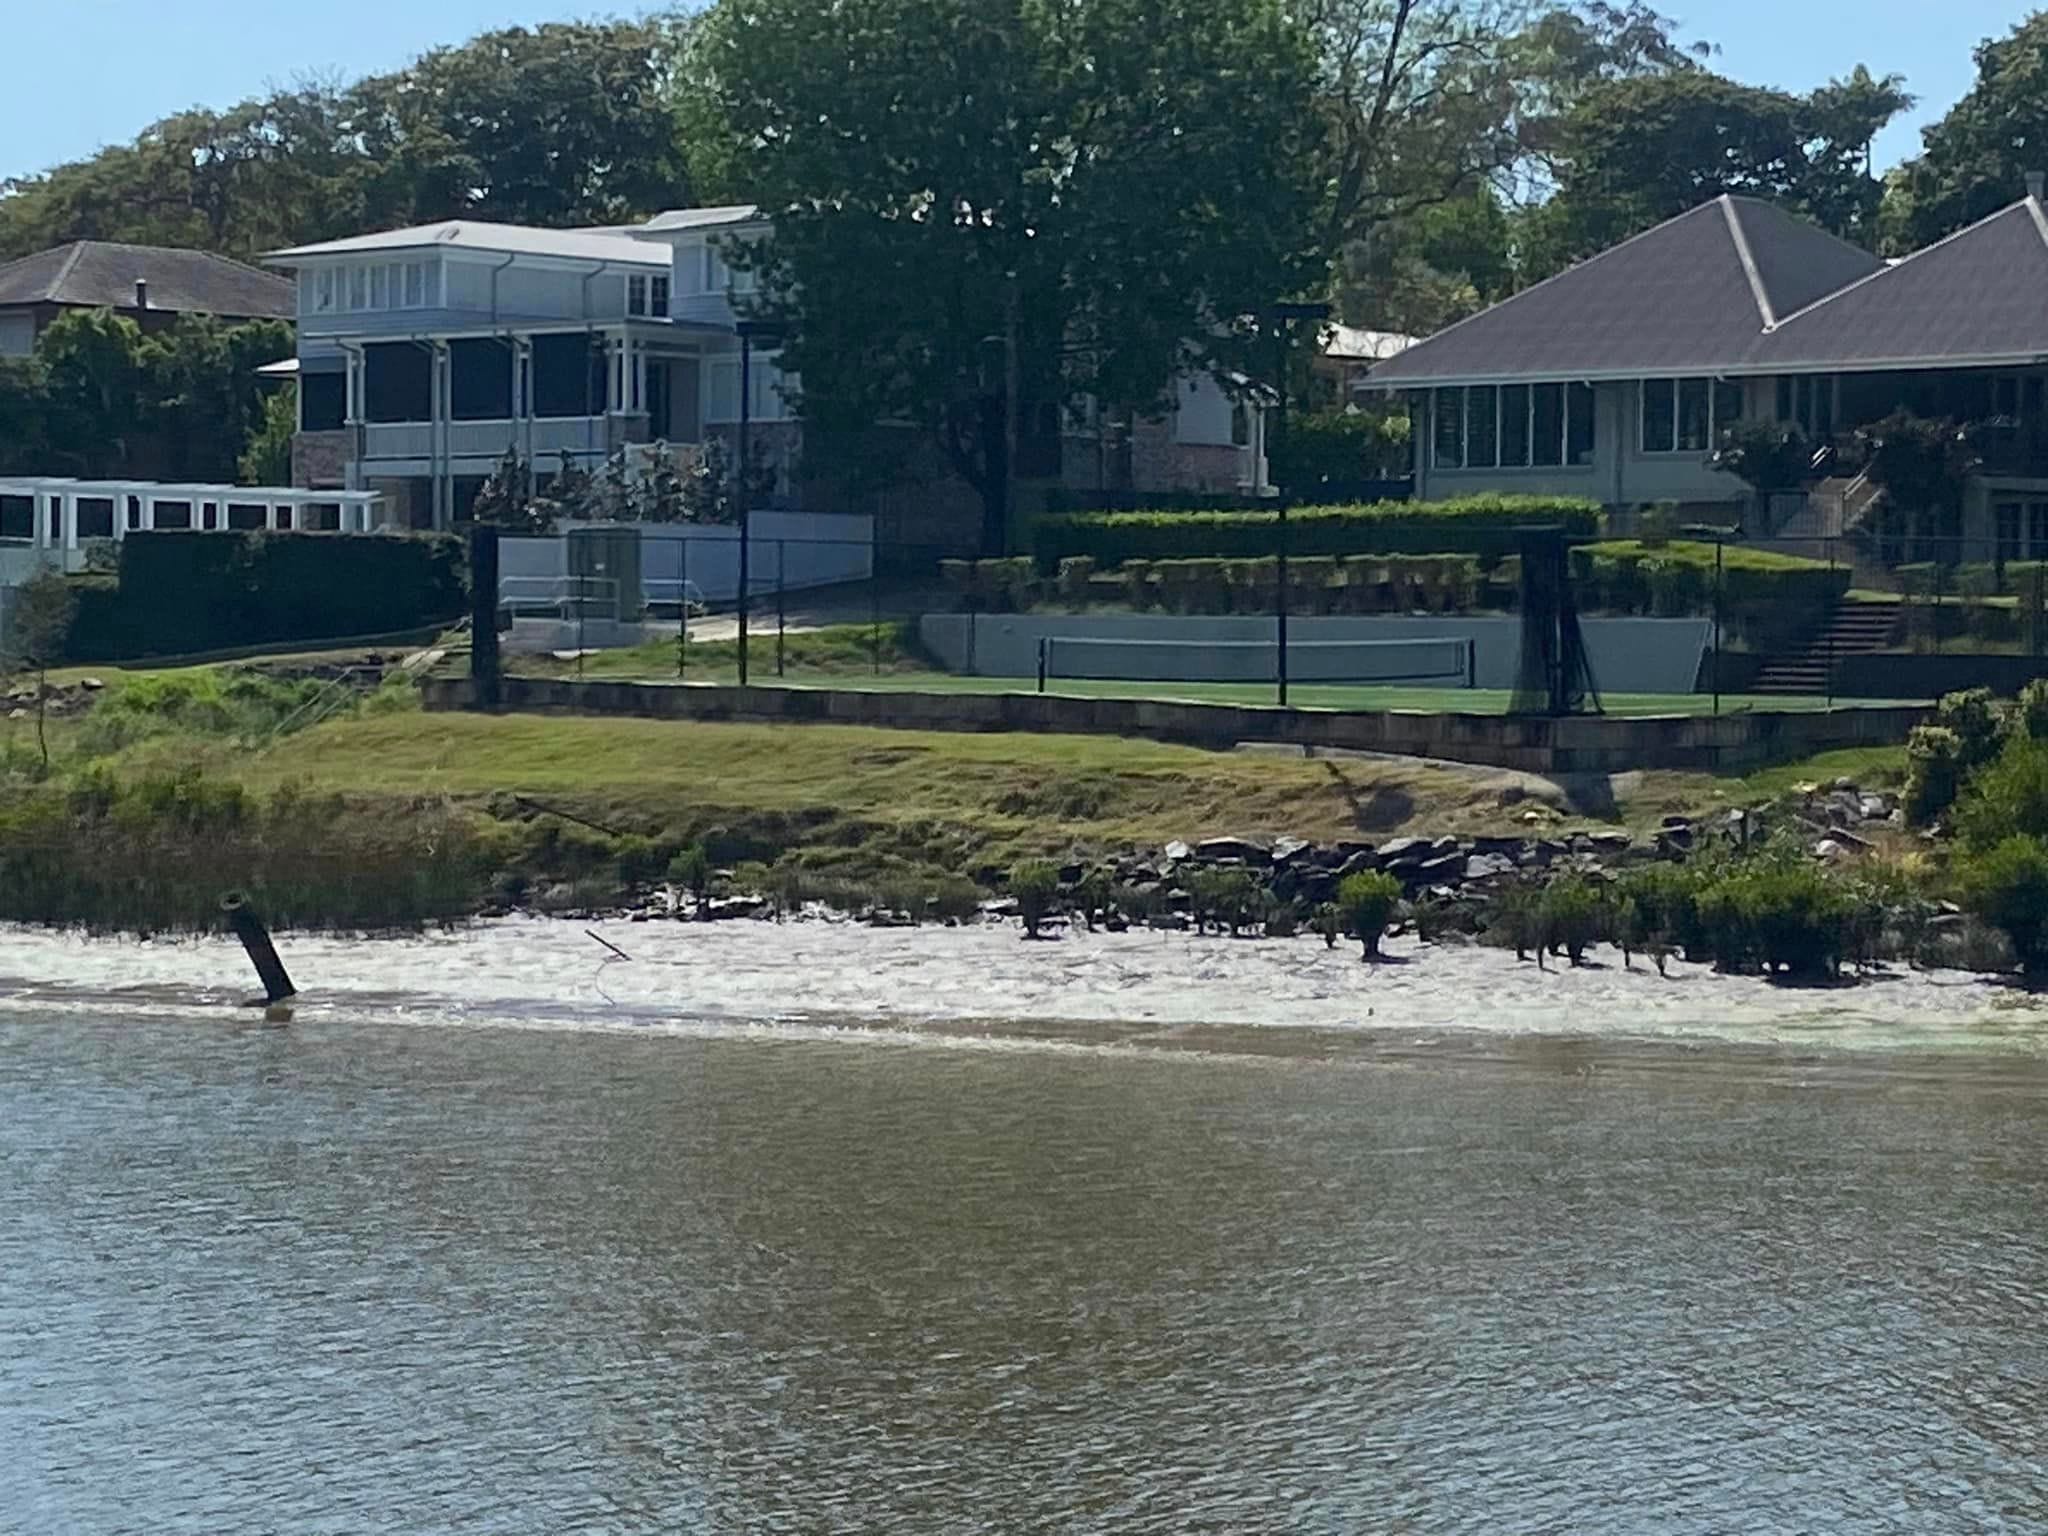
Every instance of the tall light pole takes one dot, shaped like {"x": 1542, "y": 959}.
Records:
{"x": 1720, "y": 534}
{"x": 1281, "y": 318}
{"x": 750, "y": 331}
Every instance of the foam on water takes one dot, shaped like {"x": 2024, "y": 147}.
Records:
{"x": 982, "y": 982}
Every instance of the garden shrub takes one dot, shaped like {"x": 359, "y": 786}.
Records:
{"x": 1226, "y": 897}
{"x": 1664, "y": 902}
{"x": 1367, "y": 902}
{"x": 2030, "y": 715}
{"x": 1973, "y": 715}
{"x": 1484, "y": 526}
{"x": 1934, "y": 772}
{"x": 2007, "y": 797}
{"x": 2007, "y": 885}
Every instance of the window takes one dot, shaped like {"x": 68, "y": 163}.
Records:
{"x": 636, "y": 295}
{"x": 722, "y": 389}
{"x": 380, "y": 288}
{"x": 2008, "y": 521}
{"x": 2037, "y": 530}
{"x": 323, "y": 290}
{"x": 1481, "y": 437}
{"x": 358, "y": 287}
{"x": 1514, "y": 425}
{"x": 1546, "y": 425}
{"x": 715, "y": 275}
{"x": 1727, "y": 406}
{"x": 1578, "y": 425}
{"x": 657, "y": 290}
{"x": 1660, "y": 415}
{"x": 1695, "y": 415}
{"x": 1808, "y": 400}
{"x": 1448, "y": 442}
{"x": 415, "y": 285}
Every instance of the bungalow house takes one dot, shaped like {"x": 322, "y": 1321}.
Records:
{"x": 1615, "y": 379}
{"x": 426, "y": 353}
{"x": 151, "y": 284}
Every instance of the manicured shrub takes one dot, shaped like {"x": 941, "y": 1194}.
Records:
{"x": 1484, "y": 526}
{"x": 1761, "y": 590}
{"x": 1034, "y": 884}
{"x": 2007, "y": 885}
{"x": 1367, "y": 902}
{"x": 181, "y": 592}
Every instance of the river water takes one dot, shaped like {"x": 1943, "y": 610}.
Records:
{"x": 468, "y": 1247}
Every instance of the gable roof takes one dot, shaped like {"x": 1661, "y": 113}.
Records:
{"x": 1980, "y": 296}
{"x": 94, "y": 274}
{"x": 488, "y": 239}
{"x": 682, "y": 220}
{"x": 1694, "y": 294}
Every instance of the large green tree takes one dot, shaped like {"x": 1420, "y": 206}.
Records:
{"x": 1101, "y": 189}
{"x": 566, "y": 123}
{"x": 1976, "y": 159}
{"x": 1637, "y": 151}
{"x": 99, "y": 398}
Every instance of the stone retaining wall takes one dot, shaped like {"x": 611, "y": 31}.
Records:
{"x": 1580, "y": 744}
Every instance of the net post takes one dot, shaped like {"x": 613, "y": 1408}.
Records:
{"x": 780, "y": 606}
{"x": 1471, "y": 662}
{"x": 1042, "y": 645}
{"x": 875, "y": 594}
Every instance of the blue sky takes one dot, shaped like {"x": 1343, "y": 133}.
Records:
{"x": 104, "y": 69}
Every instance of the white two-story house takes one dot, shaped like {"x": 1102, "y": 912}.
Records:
{"x": 426, "y": 353}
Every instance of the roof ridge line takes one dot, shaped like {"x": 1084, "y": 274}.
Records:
{"x": 1906, "y": 260}
{"x": 1577, "y": 266}
{"x": 64, "y": 272}
{"x": 1747, "y": 257}
{"x": 2040, "y": 217}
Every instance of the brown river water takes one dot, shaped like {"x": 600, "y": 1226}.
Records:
{"x": 818, "y": 1229}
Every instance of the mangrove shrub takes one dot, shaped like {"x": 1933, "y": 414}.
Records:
{"x": 1367, "y": 902}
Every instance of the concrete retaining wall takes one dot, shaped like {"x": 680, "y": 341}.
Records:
{"x": 1584, "y": 743}
{"x": 1628, "y": 655}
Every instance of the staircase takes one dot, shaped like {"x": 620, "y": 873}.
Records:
{"x": 1853, "y": 629}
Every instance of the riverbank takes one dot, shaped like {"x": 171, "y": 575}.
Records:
{"x": 1143, "y": 990}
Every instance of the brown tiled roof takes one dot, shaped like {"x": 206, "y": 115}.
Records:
{"x": 95, "y": 273}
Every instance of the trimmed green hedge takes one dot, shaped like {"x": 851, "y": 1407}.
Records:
{"x": 180, "y": 592}
{"x": 1319, "y": 584}
{"x": 1484, "y": 526}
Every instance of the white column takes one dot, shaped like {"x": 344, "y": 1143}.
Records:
{"x": 68, "y": 502}
{"x": 39, "y": 512}
{"x": 148, "y": 512}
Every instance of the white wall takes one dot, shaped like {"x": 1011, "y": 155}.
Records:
{"x": 1202, "y": 412}
{"x": 816, "y": 550}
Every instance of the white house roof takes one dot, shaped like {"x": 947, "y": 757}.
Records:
{"x": 487, "y": 239}
{"x": 1350, "y": 343}
{"x": 681, "y": 220}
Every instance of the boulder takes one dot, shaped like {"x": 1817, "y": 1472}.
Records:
{"x": 1359, "y": 863}
{"x": 1230, "y": 850}
{"x": 1488, "y": 866}
{"x": 1177, "y": 851}
{"x": 1292, "y": 850}
{"x": 1398, "y": 851}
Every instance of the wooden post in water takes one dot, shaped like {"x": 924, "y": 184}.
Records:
{"x": 277, "y": 986}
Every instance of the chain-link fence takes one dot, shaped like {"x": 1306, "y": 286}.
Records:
{"x": 1785, "y": 622}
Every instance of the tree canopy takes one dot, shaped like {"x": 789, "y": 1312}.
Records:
{"x": 1102, "y": 189}
{"x": 567, "y": 123}
{"x": 1976, "y": 158}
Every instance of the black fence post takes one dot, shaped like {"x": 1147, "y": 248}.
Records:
{"x": 484, "y": 669}
{"x": 781, "y": 615}
{"x": 875, "y": 594}
{"x": 682, "y": 603}
{"x": 1041, "y": 663}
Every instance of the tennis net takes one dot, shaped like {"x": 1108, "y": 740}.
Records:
{"x": 1443, "y": 660}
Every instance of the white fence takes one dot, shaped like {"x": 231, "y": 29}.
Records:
{"x": 796, "y": 550}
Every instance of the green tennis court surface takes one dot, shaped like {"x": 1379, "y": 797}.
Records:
{"x": 1462, "y": 701}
